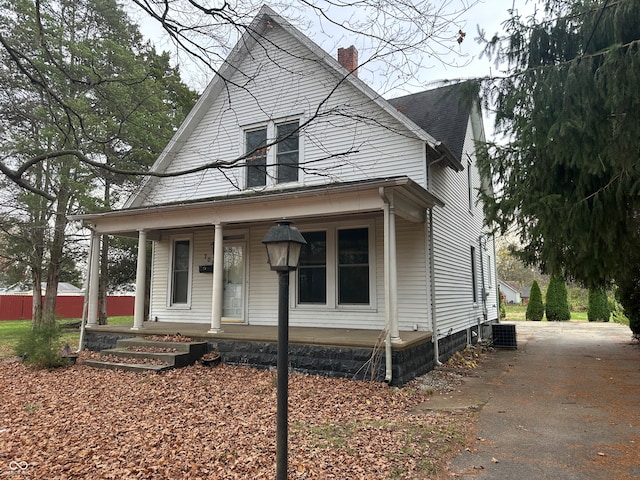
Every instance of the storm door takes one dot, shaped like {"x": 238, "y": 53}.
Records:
{"x": 234, "y": 285}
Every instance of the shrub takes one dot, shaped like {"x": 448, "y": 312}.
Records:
{"x": 557, "y": 306}
{"x": 598, "y": 305}
{"x": 503, "y": 309}
{"x": 535, "y": 307}
{"x": 41, "y": 346}
{"x": 628, "y": 293}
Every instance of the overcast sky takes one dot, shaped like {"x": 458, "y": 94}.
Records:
{"x": 488, "y": 14}
{"x": 466, "y": 63}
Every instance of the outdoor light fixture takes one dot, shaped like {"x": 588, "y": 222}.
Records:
{"x": 283, "y": 243}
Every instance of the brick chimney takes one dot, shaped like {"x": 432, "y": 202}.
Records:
{"x": 348, "y": 58}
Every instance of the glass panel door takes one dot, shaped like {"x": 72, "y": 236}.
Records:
{"x": 233, "y": 302}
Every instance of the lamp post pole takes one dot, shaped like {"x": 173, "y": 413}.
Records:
{"x": 283, "y": 376}
{"x": 283, "y": 243}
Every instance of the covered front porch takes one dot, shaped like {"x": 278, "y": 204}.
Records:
{"x": 349, "y": 353}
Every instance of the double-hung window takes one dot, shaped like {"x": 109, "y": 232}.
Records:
{"x": 474, "y": 278}
{"x": 288, "y": 150}
{"x": 180, "y": 271}
{"x": 267, "y": 166}
{"x": 353, "y": 266}
{"x": 312, "y": 269}
{"x": 335, "y": 268}
{"x": 255, "y": 147}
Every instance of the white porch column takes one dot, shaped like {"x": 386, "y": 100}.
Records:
{"x": 393, "y": 278}
{"x": 218, "y": 278}
{"x": 94, "y": 279}
{"x": 141, "y": 272}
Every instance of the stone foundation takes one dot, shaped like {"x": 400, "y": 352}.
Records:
{"x": 408, "y": 362}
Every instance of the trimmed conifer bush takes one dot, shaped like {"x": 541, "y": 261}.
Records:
{"x": 557, "y": 305}
{"x": 598, "y": 305}
{"x": 503, "y": 309}
{"x": 535, "y": 307}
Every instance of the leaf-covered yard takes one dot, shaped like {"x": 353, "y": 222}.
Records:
{"x": 215, "y": 423}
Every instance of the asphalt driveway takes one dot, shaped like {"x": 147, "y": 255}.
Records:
{"x": 564, "y": 405}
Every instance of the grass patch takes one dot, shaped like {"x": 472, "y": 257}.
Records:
{"x": 12, "y": 330}
{"x": 409, "y": 442}
{"x": 517, "y": 313}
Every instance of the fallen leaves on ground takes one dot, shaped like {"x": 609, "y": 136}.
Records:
{"x": 215, "y": 423}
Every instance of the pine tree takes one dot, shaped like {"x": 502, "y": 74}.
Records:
{"x": 557, "y": 307}
{"x": 570, "y": 108}
{"x": 598, "y": 305}
{"x": 535, "y": 307}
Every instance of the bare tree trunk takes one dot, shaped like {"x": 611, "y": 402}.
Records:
{"x": 104, "y": 261}
{"x": 56, "y": 255}
{"x": 103, "y": 285}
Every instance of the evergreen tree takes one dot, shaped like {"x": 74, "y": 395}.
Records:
{"x": 78, "y": 83}
{"x": 557, "y": 305}
{"x": 569, "y": 106}
{"x": 535, "y": 307}
{"x": 598, "y": 305}
{"x": 502, "y": 307}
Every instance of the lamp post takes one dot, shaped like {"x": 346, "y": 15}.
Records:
{"x": 283, "y": 243}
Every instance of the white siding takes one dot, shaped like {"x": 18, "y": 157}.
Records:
{"x": 262, "y": 283}
{"x": 201, "y": 285}
{"x": 413, "y": 286}
{"x": 457, "y": 228}
{"x": 286, "y": 84}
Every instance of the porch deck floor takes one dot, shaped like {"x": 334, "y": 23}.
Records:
{"x": 260, "y": 333}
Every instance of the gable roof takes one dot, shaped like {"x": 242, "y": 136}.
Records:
{"x": 264, "y": 20}
{"x": 506, "y": 286}
{"x": 443, "y": 112}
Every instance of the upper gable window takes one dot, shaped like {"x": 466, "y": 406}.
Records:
{"x": 269, "y": 166}
{"x": 287, "y": 156}
{"x": 255, "y": 141}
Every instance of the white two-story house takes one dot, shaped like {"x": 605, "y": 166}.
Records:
{"x": 384, "y": 192}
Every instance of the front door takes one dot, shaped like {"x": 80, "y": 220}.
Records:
{"x": 233, "y": 301}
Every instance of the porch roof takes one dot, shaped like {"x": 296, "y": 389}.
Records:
{"x": 409, "y": 199}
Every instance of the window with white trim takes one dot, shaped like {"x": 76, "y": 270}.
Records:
{"x": 353, "y": 266}
{"x": 312, "y": 269}
{"x": 474, "y": 278}
{"x": 335, "y": 268}
{"x": 180, "y": 281}
{"x": 255, "y": 141}
{"x": 287, "y": 156}
{"x": 267, "y": 166}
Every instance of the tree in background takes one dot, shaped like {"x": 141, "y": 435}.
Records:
{"x": 535, "y": 307}
{"x": 628, "y": 283}
{"x": 557, "y": 304}
{"x": 82, "y": 93}
{"x": 502, "y": 307}
{"x": 598, "y": 305}
{"x": 569, "y": 112}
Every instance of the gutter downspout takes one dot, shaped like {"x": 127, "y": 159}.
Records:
{"x": 484, "y": 289}
{"x": 434, "y": 321}
{"x": 432, "y": 276}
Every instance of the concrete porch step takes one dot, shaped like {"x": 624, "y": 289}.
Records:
{"x": 172, "y": 355}
{"x": 129, "y": 367}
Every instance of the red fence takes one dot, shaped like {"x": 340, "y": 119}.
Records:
{"x": 18, "y": 307}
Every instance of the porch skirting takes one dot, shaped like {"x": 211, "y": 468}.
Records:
{"x": 318, "y": 354}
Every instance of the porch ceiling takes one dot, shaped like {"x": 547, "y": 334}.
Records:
{"x": 409, "y": 199}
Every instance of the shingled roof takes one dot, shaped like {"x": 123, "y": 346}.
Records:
{"x": 442, "y": 112}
